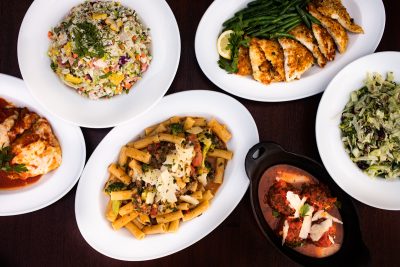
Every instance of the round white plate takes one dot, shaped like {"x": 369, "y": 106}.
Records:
{"x": 376, "y": 192}
{"x": 54, "y": 185}
{"x": 370, "y": 14}
{"x": 63, "y": 101}
{"x": 91, "y": 202}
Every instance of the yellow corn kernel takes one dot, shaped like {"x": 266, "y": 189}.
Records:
{"x": 119, "y": 23}
{"x": 99, "y": 16}
{"x": 112, "y": 24}
{"x": 72, "y": 79}
{"x": 67, "y": 49}
{"x": 116, "y": 78}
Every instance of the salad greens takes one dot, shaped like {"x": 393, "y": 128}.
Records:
{"x": 370, "y": 126}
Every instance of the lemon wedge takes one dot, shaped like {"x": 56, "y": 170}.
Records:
{"x": 222, "y": 44}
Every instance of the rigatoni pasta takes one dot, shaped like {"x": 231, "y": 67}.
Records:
{"x": 168, "y": 175}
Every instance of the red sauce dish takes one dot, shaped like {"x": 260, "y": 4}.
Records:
{"x": 301, "y": 210}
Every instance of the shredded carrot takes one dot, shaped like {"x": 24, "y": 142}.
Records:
{"x": 127, "y": 85}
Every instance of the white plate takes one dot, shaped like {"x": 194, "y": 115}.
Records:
{"x": 370, "y": 14}
{"x": 66, "y": 103}
{"x": 54, "y": 185}
{"x": 376, "y": 192}
{"x": 91, "y": 202}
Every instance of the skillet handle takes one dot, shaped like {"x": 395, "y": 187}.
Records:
{"x": 257, "y": 154}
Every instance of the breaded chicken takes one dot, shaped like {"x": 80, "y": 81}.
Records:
{"x": 262, "y": 68}
{"x": 38, "y": 149}
{"x": 244, "y": 64}
{"x": 305, "y": 36}
{"x": 24, "y": 121}
{"x": 297, "y": 58}
{"x": 335, "y": 10}
{"x": 274, "y": 54}
{"x": 326, "y": 44}
{"x": 333, "y": 27}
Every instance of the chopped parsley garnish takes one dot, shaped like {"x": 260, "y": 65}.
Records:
{"x": 117, "y": 186}
{"x": 276, "y": 214}
{"x": 176, "y": 128}
{"x": 145, "y": 167}
{"x": 88, "y": 40}
{"x": 5, "y": 157}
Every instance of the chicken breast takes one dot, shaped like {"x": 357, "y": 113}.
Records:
{"x": 274, "y": 54}
{"x": 333, "y": 27}
{"x": 306, "y": 38}
{"x": 38, "y": 149}
{"x": 326, "y": 44}
{"x": 335, "y": 10}
{"x": 297, "y": 58}
{"x": 262, "y": 68}
{"x": 244, "y": 64}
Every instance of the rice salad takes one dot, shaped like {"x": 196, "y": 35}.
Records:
{"x": 100, "y": 48}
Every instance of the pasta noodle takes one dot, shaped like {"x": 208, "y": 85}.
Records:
{"x": 167, "y": 176}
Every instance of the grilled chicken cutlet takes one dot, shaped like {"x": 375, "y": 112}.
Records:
{"x": 335, "y": 10}
{"x": 305, "y": 37}
{"x": 244, "y": 64}
{"x": 31, "y": 139}
{"x": 325, "y": 42}
{"x": 262, "y": 68}
{"x": 297, "y": 58}
{"x": 333, "y": 27}
{"x": 274, "y": 54}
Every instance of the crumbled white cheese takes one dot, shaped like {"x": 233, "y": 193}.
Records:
{"x": 202, "y": 179}
{"x": 317, "y": 230}
{"x": 166, "y": 187}
{"x": 295, "y": 202}
{"x": 150, "y": 197}
{"x": 189, "y": 199}
{"x": 285, "y": 231}
{"x": 306, "y": 225}
{"x": 323, "y": 214}
{"x": 179, "y": 160}
{"x": 195, "y": 130}
{"x": 151, "y": 176}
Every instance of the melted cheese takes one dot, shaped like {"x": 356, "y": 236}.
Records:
{"x": 317, "y": 230}
{"x": 306, "y": 226}
{"x": 295, "y": 202}
{"x": 5, "y": 127}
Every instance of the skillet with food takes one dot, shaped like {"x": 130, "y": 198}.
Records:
{"x": 301, "y": 210}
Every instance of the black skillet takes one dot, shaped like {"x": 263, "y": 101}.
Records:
{"x": 353, "y": 251}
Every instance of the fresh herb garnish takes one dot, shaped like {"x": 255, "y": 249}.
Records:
{"x": 145, "y": 167}
{"x": 53, "y": 66}
{"x": 236, "y": 40}
{"x": 117, "y": 186}
{"x": 276, "y": 214}
{"x": 176, "y": 128}
{"x": 88, "y": 40}
{"x": 304, "y": 209}
{"x": 5, "y": 157}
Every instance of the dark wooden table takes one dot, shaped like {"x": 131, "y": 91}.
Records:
{"x": 50, "y": 236}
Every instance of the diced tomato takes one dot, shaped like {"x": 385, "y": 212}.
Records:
{"x": 127, "y": 85}
{"x": 198, "y": 158}
{"x": 154, "y": 211}
{"x": 50, "y": 34}
{"x": 145, "y": 66}
{"x": 74, "y": 55}
{"x": 134, "y": 38}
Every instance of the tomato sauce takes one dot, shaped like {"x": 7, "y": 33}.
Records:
{"x": 6, "y": 183}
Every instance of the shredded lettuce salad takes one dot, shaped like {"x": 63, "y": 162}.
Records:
{"x": 370, "y": 126}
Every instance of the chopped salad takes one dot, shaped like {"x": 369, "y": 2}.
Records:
{"x": 100, "y": 48}
{"x": 370, "y": 126}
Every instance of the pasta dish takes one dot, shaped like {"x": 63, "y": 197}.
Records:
{"x": 169, "y": 175}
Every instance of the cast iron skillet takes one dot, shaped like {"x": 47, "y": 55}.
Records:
{"x": 353, "y": 251}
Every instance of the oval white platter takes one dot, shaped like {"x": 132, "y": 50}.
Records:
{"x": 373, "y": 191}
{"x": 65, "y": 102}
{"x": 91, "y": 202}
{"x": 54, "y": 185}
{"x": 370, "y": 14}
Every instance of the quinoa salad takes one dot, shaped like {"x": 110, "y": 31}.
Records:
{"x": 100, "y": 48}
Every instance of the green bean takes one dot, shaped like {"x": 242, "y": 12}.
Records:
{"x": 303, "y": 16}
{"x": 313, "y": 19}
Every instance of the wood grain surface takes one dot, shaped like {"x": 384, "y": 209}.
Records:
{"x": 50, "y": 236}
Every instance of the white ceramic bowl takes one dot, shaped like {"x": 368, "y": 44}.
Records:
{"x": 65, "y": 102}
{"x": 376, "y": 192}
{"x": 90, "y": 202}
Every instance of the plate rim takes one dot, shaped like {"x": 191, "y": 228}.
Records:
{"x": 267, "y": 98}
{"x": 204, "y": 233}
{"x": 319, "y": 139}
{"x": 108, "y": 124}
{"x": 24, "y": 91}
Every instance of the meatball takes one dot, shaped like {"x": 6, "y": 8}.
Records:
{"x": 277, "y": 197}
{"x": 318, "y": 196}
{"x": 324, "y": 241}
{"x": 292, "y": 238}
